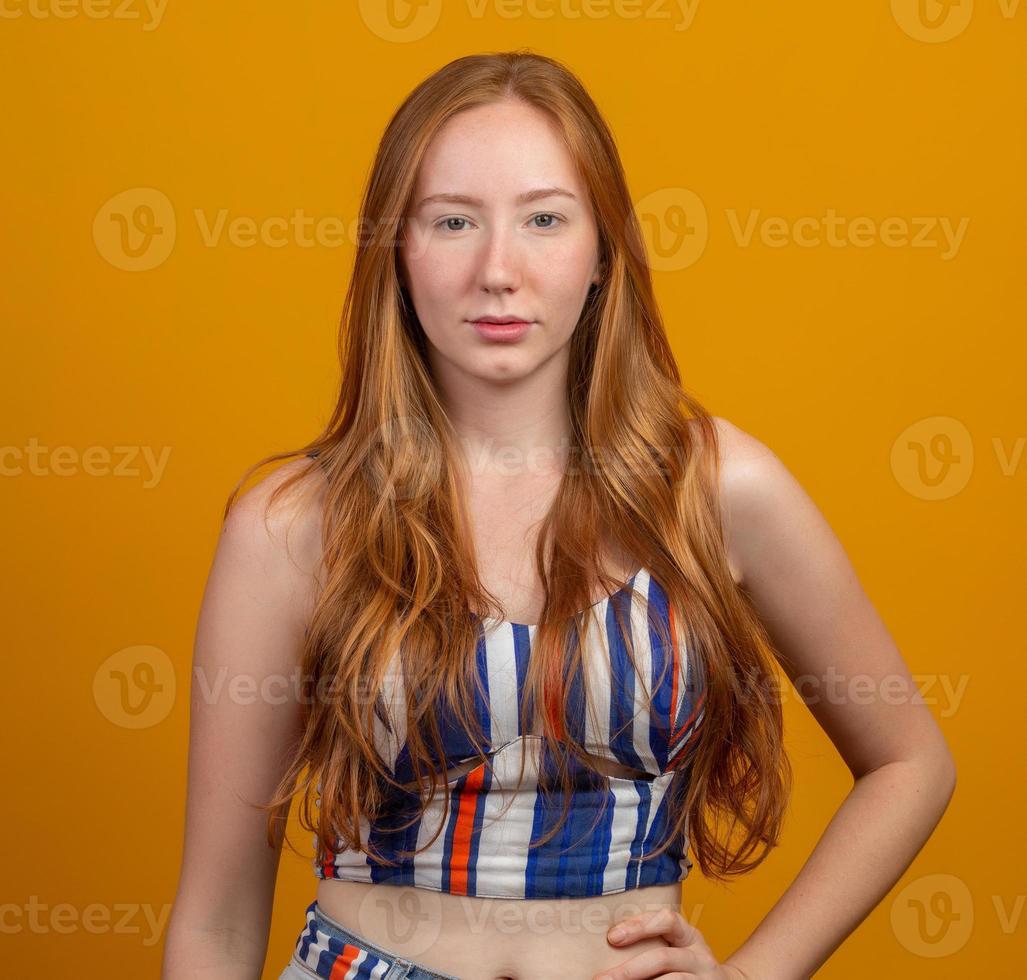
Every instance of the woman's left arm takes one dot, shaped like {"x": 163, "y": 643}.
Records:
{"x": 838, "y": 653}
{"x": 844, "y": 665}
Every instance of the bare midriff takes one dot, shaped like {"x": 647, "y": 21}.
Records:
{"x": 478, "y": 938}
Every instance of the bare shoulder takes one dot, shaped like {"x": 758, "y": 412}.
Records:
{"x": 756, "y": 489}
{"x": 738, "y": 450}
{"x": 274, "y": 529}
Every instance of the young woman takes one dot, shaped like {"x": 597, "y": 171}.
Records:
{"x": 533, "y": 594}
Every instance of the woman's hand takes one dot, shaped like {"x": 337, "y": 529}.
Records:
{"x": 687, "y": 954}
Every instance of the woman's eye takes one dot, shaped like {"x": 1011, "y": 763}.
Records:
{"x": 452, "y": 223}
{"x": 554, "y": 219}
{"x": 445, "y": 223}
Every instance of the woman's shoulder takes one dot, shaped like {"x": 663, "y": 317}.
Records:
{"x": 276, "y": 525}
{"x": 736, "y": 447}
{"x": 762, "y": 502}
{"x": 752, "y": 486}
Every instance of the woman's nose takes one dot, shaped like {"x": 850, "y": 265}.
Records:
{"x": 499, "y": 265}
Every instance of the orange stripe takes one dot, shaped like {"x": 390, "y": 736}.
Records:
{"x": 344, "y": 961}
{"x": 674, "y": 658}
{"x": 460, "y": 858}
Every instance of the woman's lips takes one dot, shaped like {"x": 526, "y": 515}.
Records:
{"x": 501, "y": 331}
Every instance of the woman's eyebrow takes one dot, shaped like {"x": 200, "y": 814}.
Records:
{"x": 527, "y": 197}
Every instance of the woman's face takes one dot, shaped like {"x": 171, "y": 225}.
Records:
{"x": 500, "y": 225}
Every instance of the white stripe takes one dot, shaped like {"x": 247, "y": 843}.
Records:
{"x": 659, "y": 786}
{"x": 380, "y": 970}
{"x": 350, "y": 864}
{"x": 597, "y": 667}
{"x": 393, "y": 693}
{"x": 622, "y": 832}
{"x": 686, "y": 863}
{"x": 428, "y": 863}
{"x": 503, "y": 842}
{"x": 501, "y": 667}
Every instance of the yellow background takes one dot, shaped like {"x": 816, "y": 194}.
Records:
{"x": 217, "y": 354}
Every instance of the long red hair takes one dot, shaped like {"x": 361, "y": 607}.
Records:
{"x": 398, "y": 558}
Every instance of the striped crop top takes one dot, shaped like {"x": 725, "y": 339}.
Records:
{"x": 490, "y": 820}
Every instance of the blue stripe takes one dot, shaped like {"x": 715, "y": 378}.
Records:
{"x": 456, "y": 743}
{"x": 522, "y": 651}
{"x": 385, "y": 834}
{"x": 309, "y": 934}
{"x": 531, "y": 866}
{"x": 622, "y": 697}
{"x": 336, "y": 946}
{"x": 601, "y": 840}
{"x": 662, "y": 656}
{"x": 665, "y": 867}
{"x": 574, "y": 861}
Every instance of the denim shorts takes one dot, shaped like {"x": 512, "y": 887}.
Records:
{"x": 327, "y": 949}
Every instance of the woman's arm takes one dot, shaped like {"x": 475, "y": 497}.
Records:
{"x": 847, "y": 669}
{"x": 244, "y": 716}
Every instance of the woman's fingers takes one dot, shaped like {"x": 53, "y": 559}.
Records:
{"x": 673, "y": 926}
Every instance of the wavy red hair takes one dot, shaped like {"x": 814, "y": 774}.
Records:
{"x": 399, "y": 563}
